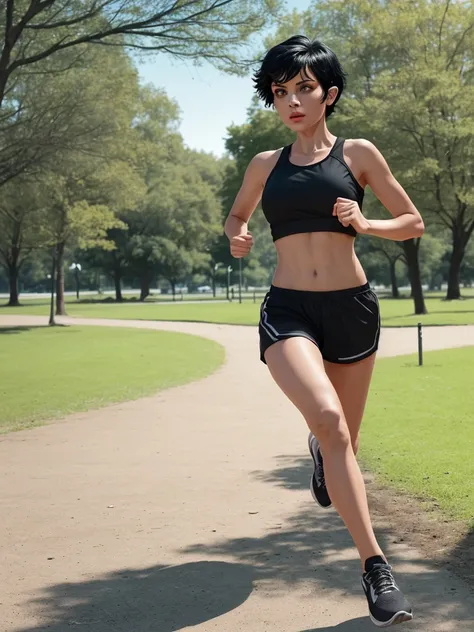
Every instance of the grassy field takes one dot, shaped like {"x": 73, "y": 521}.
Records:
{"x": 46, "y": 373}
{"x": 418, "y": 433}
{"x": 395, "y": 313}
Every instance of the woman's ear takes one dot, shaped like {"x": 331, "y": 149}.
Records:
{"x": 332, "y": 94}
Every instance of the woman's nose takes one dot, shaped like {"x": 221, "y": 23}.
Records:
{"x": 294, "y": 100}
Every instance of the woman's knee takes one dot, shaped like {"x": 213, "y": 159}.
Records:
{"x": 329, "y": 426}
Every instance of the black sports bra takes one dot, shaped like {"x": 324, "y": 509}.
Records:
{"x": 300, "y": 199}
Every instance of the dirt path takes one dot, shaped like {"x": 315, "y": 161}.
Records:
{"x": 191, "y": 508}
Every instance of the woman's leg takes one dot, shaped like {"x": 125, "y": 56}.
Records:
{"x": 352, "y": 382}
{"x": 297, "y": 367}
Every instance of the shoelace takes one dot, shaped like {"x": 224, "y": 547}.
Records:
{"x": 321, "y": 478}
{"x": 381, "y": 578}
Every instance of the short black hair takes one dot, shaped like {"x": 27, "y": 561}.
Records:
{"x": 285, "y": 60}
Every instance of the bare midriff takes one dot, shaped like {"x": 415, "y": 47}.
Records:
{"x": 317, "y": 262}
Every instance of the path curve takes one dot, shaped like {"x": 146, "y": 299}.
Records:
{"x": 191, "y": 508}
{"x": 243, "y": 339}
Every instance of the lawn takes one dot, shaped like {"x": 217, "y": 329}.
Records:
{"x": 395, "y": 313}
{"x": 418, "y": 433}
{"x": 46, "y": 373}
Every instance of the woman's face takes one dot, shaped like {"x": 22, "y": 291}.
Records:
{"x": 298, "y": 101}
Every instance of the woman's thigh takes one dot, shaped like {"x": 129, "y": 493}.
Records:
{"x": 297, "y": 367}
{"x": 351, "y": 383}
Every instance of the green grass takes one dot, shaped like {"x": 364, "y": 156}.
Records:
{"x": 395, "y": 313}
{"x": 46, "y": 373}
{"x": 418, "y": 433}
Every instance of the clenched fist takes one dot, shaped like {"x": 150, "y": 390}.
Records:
{"x": 241, "y": 245}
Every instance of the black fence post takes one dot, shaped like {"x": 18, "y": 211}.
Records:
{"x": 420, "y": 345}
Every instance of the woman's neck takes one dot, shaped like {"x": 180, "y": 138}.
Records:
{"x": 314, "y": 142}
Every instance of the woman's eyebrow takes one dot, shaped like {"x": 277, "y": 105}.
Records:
{"x": 281, "y": 85}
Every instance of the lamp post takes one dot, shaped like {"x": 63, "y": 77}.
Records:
{"x": 216, "y": 265}
{"x": 52, "y": 276}
{"x": 240, "y": 280}
{"x": 77, "y": 268}
{"x": 229, "y": 270}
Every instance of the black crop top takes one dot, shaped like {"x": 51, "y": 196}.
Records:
{"x": 301, "y": 199}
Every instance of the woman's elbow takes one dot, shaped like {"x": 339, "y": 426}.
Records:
{"x": 418, "y": 228}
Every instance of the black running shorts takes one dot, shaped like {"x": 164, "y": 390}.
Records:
{"x": 343, "y": 324}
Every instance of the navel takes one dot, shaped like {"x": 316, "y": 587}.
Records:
{"x": 315, "y": 273}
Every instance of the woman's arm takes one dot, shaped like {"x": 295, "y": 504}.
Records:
{"x": 407, "y": 222}
{"x": 236, "y": 225}
{"x": 249, "y": 195}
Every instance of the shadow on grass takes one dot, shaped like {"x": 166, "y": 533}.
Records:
{"x": 20, "y": 329}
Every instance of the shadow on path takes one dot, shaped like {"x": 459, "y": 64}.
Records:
{"x": 360, "y": 624}
{"x": 156, "y": 599}
{"x": 311, "y": 546}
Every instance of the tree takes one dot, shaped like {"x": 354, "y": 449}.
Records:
{"x": 432, "y": 252}
{"x": 176, "y": 224}
{"x": 217, "y": 30}
{"x": 92, "y": 175}
{"x": 403, "y": 57}
{"x": 467, "y": 270}
{"x": 20, "y": 230}
{"x": 378, "y": 253}
{"x": 156, "y": 142}
{"x": 400, "y": 58}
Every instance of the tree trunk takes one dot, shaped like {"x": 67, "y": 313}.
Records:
{"x": 393, "y": 280}
{"x": 118, "y": 284}
{"x": 60, "y": 305}
{"x": 144, "y": 287}
{"x": 173, "y": 289}
{"x": 411, "y": 248}
{"x": 13, "y": 274}
{"x": 13, "y": 267}
{"x": 457, "y": 255}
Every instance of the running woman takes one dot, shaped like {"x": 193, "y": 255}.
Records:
{"x": 320, "y": 323}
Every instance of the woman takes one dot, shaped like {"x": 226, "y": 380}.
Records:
{"x": 320, "y": 324}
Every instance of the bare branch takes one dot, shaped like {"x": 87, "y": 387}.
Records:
{"x": 458, "y": 45}
{"x": 448, "y": 2}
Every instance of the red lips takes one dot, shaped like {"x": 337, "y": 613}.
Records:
{"x": 296, "y": 116}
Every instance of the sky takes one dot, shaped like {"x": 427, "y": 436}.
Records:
{"x": 209, "y": 100}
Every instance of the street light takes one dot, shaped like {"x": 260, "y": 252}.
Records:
{"x": 52, "y": 276}
{"x": 229, "y": 270}
{"x": 216, "y": 265}
{"x": 77, "y": 268}
{"x": 240, "y": 279}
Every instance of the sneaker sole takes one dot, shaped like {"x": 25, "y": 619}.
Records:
{"x": 311, "y": 479}
{"x": 400, "y": 617}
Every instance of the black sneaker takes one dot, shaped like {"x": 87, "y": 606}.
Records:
{"x": 318, "y": 483}
{"x": 387, "y": 603}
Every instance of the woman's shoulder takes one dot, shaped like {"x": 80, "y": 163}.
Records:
{"x": 363, "y": 155}
{"x": 361, "y": 146}
{"x": 265, "y": 157}
{"x": 265, "y": 161}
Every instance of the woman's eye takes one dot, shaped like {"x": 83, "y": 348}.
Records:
{"x": 279, "y": 92}
{"x": 308, "y": 89}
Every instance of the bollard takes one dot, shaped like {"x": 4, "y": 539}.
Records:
{"x": 420, "y": 345}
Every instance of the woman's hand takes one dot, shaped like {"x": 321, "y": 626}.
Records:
{"x": 348, "y": 212}
{"x": 241, "y": 245}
